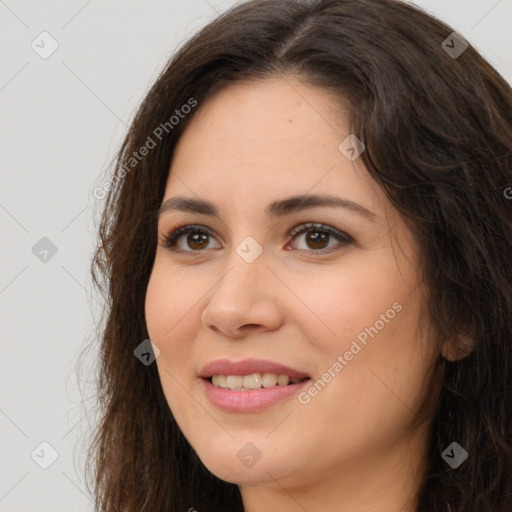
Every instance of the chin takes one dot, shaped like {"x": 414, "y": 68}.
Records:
{"x": 243, "y": 463}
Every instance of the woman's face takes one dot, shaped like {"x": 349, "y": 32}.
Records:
{"x": 338, "y": 303}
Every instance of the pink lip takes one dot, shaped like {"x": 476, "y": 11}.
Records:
{"x": 254, "y": 399}
{"x": 247, "y": 367}
{"x": 251, "y": 400}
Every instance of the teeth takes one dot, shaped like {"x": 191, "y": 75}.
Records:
{"x": 270, "y": 379}
{"x": 219, "y": 380}
{"x": 253, "y": 381}
{"x": 234, "y": 381}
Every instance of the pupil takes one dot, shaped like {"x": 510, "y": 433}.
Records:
{"x": 194, "y": 238}
{"x": 318, "y": 238}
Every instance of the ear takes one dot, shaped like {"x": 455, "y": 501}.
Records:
{"x": 458, "y": 348}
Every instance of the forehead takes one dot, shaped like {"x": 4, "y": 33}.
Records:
{"x": 269, "y": 138}
{"x": 269, "y": 117}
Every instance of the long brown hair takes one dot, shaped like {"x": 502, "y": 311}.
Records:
{"x": 437, "y": 126}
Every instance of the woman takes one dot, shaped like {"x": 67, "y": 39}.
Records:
{"x": 308, "y": 218}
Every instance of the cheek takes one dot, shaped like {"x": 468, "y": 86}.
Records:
{"x": 168, "y": 309}
{"x": 168, "y": 313}
{"x": 368, "y": 316}
{"x": 345, "y": 302}
{"x": 166, "y": 300}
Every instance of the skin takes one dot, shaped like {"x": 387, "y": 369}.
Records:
{"x": 354, "y": 446}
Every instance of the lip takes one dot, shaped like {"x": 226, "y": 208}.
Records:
{"x": 247, "y": 367}
{"x": 249, "y": 400}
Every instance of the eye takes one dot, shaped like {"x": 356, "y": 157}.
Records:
{"x": 318, "y": 235}
{"x": 197, "y": 239}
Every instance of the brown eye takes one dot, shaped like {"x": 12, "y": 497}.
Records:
{"x": 318, "y": 236}
{"x": 195, "y": 241}
{"x": 317, "y": 239}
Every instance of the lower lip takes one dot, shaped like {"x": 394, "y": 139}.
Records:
{"x": 250, "y": 400}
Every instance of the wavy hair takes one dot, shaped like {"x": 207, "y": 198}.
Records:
{"x": 438, "y": 134}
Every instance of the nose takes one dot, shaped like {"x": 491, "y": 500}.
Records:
{"x": 244, "y": 300}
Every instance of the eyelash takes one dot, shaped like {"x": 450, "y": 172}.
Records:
{"x": 169, "y": 241}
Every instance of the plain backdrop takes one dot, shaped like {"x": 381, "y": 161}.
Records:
{"x": 62, "y": 119}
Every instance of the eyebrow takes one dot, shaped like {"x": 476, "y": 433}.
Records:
{"x": 279, "y": 208}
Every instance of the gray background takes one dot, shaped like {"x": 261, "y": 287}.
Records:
{"x": 62, "y": 120}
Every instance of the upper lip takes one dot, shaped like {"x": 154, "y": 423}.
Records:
{"x": 247, "y": 367}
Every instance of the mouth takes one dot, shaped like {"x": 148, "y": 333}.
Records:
{"x": 250, "y": 385}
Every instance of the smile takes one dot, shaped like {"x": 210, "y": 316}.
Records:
{"x": 250, "y": 385}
